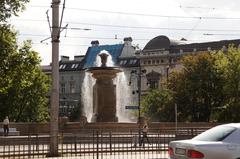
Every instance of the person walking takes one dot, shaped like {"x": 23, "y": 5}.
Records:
{"x": 144, "y": 135}
{"x": 6, "y": 126}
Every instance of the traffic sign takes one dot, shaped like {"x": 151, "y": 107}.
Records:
{"x": 131, "y": 107}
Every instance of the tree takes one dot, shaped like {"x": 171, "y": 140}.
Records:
{"x": 229, "y": 64}
{"x": 158, "y": 106}
{"x": 23, "y": 85}
{"x": 11, "y": 7}
{"x": 198, "y": 88}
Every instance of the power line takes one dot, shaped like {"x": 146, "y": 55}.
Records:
{"x": 194, "y": 7}
{"x": 181, "y": 6}
{"x": 65, "y": 44}
{"x": 107, "y": 38}
{"x": 133, "y": 27}
{"x": 154, "y": 28}
{"x": 209, "y": 34}
{"x": 77, "y": 37}
{"x": 153, "y": 15}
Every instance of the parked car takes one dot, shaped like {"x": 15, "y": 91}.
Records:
{"x": 220, "y": 142}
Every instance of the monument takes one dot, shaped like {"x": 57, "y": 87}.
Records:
{"x": 104, "y": 91}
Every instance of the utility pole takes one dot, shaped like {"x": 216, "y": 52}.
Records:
{"x": 55, "y": 80}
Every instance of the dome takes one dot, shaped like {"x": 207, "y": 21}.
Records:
{"x": 160, "y": 42}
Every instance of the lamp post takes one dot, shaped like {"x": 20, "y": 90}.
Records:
{"x": 138, "y": 74}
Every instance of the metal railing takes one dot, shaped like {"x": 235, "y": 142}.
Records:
{"x": 96, "y": 144}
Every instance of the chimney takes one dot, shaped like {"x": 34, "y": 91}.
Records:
{"x": 64, "y": 58}
{"x": 128, "y": 41}
{"x": 95, "y": 43}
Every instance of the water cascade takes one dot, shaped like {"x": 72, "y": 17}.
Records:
{"x": 103, "y": 89}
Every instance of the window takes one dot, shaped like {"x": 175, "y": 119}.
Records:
{"x": 63, "y": 89}
{"x": 218, "y": 133}
{"x": 134, "y": 61}
{"x": 73, "y": 66}
{"x": 153, "y": 84}
{"x": 153, "y": 79}
{"x": 63, "y": 66}
{"x": 131, "y": 62}
{"x": 72, "y": 87}
{"x": 123, "y": 62}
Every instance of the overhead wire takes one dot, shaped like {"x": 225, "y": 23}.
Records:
{"x": 137, "y": 27}
{"x": 151, "y": 15}
{"x": 101, "y": 38}
{"x": 154, "y": 15}
{"x": 181, "y": 6}
{"x": 154, "y": 28}
{"x": 134, "y": 27}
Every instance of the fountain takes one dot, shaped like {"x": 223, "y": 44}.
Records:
{"x": 104, "y": 91}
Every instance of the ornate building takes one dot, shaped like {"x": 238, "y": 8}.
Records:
{"x": 161, "y": 55}
{"x": 145, "y": 69}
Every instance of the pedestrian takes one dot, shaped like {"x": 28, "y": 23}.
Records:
{"x": 6, "y": 126}
{"x": 144, "y": 135}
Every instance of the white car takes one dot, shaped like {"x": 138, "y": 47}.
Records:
{"x": 220, "y": 142}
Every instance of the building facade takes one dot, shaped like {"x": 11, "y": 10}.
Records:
{"x": 162, "y": 55}
{"x": 144, "y": 69}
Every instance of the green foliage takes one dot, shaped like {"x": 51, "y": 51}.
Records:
{"x": 11, "y": 7}
{"x": 158, "y": 106}
{"x": 198, "y": 88}
{"x": 229, "y": 64}
{"x": 23, "y": 86}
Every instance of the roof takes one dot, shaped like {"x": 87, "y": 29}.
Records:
{"x": 114, "y": 50}
{"x": 160, "y": 42}
{"x": 215, "y": 45}
{"x": 71, "y": 65}
{"x": 164, "y": 43}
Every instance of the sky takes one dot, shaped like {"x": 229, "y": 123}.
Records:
{"x": 109, "y": 21}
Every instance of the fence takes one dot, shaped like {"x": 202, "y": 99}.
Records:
{"x": 96, "y": 144}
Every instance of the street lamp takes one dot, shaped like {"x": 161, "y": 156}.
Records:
{"x": 138, "y": 74}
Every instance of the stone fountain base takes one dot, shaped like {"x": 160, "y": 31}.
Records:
{"x": 104, "y": 106}
{"x": 104, "y": 94}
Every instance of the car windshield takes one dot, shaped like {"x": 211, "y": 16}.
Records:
{"x": 218, "y": 133}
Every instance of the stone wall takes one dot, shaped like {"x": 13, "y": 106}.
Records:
{"x": 74, "y": 127}
{"x": 30, "y": 128}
